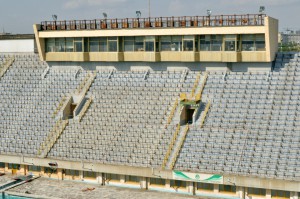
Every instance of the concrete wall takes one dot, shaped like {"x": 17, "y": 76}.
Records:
{"x": 17, "y": 46}
{"x": 241, "y": 181}
{"x": 194, "y": 66}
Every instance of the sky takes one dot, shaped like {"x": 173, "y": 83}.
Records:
{"x": 18, "y": 16}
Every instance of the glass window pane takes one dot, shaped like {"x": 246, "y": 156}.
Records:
{"x": 112, "y": 46}
{"x": 78, "y": 46}
{"x": 204, "y": 45}
{"x": 139, "y": 44}
{"x": 149, "y": 46}
{"x": 50, "y": 45}
{"x": 166, "y": 43}
{"x": 69, "y": 45}
{"x": 128, "y": 45}
{"x": 229, "y": 45}
{"x": 103, "y": 44}
{"x": 60, "y": 44}
{"x": 188, "y": 45}
{"x": 150, "y": 38}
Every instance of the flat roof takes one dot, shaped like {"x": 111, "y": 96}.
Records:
{"x": 157, "y": 22}
{"x": 16, "y": 36}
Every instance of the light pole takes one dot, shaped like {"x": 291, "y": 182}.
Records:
{"x": 149, "y": 5}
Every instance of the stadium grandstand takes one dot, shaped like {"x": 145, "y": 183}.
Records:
{"x": 195, "y": 105}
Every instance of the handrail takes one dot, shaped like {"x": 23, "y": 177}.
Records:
{"x": 171, "y": 145}
{"x": 199, "y": 94}
{"x": 86, "y": 83}
{"x": 6, "y": 65}
{"x": 179, "y": 147}
{"x": 157, "y": 22}
{"x": 172, "y": 113}
{"x": 204, "y": 114}
{"x": 49, "y": 141}
{"x": 84, "y": 108}
{"x": 60, "y": 105}
{"x": 195, "y": 85}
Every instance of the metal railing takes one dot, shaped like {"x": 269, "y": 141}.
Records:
{"x": 156, "y": 22}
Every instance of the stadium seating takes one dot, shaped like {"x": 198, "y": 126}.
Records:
{"x": 252, "y": 127}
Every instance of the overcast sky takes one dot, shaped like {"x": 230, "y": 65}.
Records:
{"x": 17, "y": 16}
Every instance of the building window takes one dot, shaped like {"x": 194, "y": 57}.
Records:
{"x": 256, "y": 191}
{"x": 134, "y": 179}
{"x": 205, "y": 186}
{"x": 89, "y": 174}
{"x": 248, "y": 43}
{"x": 230, "y": 42}
{"x": 48, "y": 170}
{"x": 112, "y": 177}
{"x": 171, "y": 43}
{"x": 112, "y": 44}
{"x": 72, "y": 172}
{"x": 139, "y": 44}
{"x": 188, "y": 43}
{"x": 280, "y": 194}
{"x": 69, "y": 44}
{"x": 14, "y": 166}
{"x": 157, "y": 181}
{"x": 149, "y": 43}
{"x": 2, "y": 165}
{"x": 78, "y": 44}
{"x": 34, "y": 168}
{"x": 211, "y": 42}
{"x": 177, "y": 184}
{"x": 227, "y": 188}
{"x": 50, "y": 45}
{"x": 103, "y": 44}
{"x": 129, "y": 44}
{"x": 60, "y": 45}
{"x": 253, "y": 42}
{"x": 260, "y": 42}
{"x": 94, "y": 44}
{"x": 205, "y": 43}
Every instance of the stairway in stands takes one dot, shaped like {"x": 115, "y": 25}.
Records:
{"x": 177, "y": 147}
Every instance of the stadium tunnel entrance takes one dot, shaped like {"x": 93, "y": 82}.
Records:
{"x": 187, "y": 114}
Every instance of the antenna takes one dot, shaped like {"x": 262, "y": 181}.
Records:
{"x": 262, "y": 9}
{"x": 138, "y": 14}
{"x": 54, "y": 17}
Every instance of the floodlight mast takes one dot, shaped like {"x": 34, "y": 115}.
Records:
{"x": 208, "y": 14}
{"x": 105, "y": 16}
{"x": 262, "y": 9}
{"x": 54, "y": 17}
{"x": 138, "y": 14}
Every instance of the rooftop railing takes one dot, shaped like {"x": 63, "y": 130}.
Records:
{"x": 157, "y": 22}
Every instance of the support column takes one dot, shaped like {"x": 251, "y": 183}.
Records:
{"x": 59, "y": 174}
{"x": 6, "y": 167}
{"x": 42, "y": 171}
{"x": 216, "y": 188}
{"x": 240, "y": 192}
{"x": 100, "y": 178}
{"x": 144, "y": 183}
{"x": 23, "y": 170}
{"x": 168, "y": 184}
{"x": 294, "y": 195}
{"x": 268, "y": 194}
{"x": 191, "y": 188}
{"x": 81, "y": 177}
{"x": 122, "y": 179}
